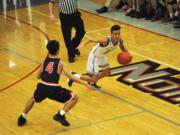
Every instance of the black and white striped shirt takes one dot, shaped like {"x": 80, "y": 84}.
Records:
{"x": 66, "y": 6}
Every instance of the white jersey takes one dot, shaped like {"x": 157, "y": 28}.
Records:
{"x": 100, "y": 50}
{"x": 98, "y": 56}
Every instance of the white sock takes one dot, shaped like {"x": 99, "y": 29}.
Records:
{"x": 91, "y": 83}
{"x": 62, "y": 112}
{"x": 171, "y": 15}
{"x": 24, "y": 115}
{"x": 137, "y": 9}
{"x": 77, "y": 76}
{"x": 133, "y": 7}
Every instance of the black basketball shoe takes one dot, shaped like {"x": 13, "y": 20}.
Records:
{"x": 70, "y": 82}
{"x": 94, "y": 85}
{"x": 21, "y": 121}
{"x": 61, "y": 119}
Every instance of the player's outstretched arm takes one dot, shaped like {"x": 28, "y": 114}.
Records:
{"x": 94, "y": 40}
{"x": 124, "y": 49}
{"x": 51, "y": 7}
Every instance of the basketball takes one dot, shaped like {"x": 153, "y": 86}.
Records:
{"x": 124, "y": 58}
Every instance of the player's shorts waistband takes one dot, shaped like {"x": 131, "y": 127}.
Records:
{"x": 49, "y": 83}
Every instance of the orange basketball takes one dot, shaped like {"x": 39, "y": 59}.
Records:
{"x": 124, "y": 58}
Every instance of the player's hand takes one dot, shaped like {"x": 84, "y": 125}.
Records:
{"x": 80, "y": 46}
{"x": 52, "y": 18}
{"x": 130, "y": 56}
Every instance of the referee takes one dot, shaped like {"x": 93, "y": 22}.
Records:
{"x": 69, "y": 17}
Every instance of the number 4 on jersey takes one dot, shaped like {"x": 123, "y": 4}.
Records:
{"x": 49, "y": 67}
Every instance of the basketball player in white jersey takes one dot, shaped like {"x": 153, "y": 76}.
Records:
{"x": 98, "y": 57}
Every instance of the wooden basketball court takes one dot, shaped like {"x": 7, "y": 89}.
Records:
{"x": 117, "y": 109}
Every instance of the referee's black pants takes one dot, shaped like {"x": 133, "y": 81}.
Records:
{"x": 67, "y": 23}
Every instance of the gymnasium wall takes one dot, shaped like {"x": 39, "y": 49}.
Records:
{"x": 9, "y": 4}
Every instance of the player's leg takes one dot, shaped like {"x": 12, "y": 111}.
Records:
{"x": 104, "y": 72}
{"x": 92, "y": 69}
{"x": 64, "y": 96}
{"x": 71, "y": 102}
{"x": 89, "y": 78}
{"x": 95, "y": 78}
{"x": 39, "y": 95}
{"x": 29, "y": 105}
{"x": 104, "y": 65}
{"x": 22, "y": 118}
{"x": 93, "y": 75}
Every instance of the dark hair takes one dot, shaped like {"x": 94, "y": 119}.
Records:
{"x": 115, "y": 27}
{"x": 53, "y": 47}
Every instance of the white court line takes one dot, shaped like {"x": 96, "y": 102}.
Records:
{"x": 174, "y": 67}
{"x": 164, "y": 63}
{"x": 93, "y": 31}
{"x": 87, "y": 36}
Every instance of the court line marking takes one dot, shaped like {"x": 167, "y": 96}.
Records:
{"x": 97, "y": 122}
{"x": 137, "y": 106}
{"x": 47, "y": 16}
{"x": 143, "y": 56}
{"x": 158, "y": 61}
{"x": 89, "y": 36}
{"x": 93, "y": 31}
{"x": 22, "y": 56}
{"x": 21, "y": 79}
{"x": 57, "y": 22}
{"x": 36, "y": 68}
{"x": 109, "y": 94}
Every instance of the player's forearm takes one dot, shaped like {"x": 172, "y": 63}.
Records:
{"x": 87, "y": 42}
{"x": 123, "y": 48}
{"x": 126, "y": 50}
{"x": 51, "y": 8}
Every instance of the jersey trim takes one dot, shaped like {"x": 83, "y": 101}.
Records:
{"x": 49, "y": 83}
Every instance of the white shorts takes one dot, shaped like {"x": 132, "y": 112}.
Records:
{"x": 94, "y": 63}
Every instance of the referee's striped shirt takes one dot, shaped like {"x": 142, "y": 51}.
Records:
{"x": 66, "y": 6}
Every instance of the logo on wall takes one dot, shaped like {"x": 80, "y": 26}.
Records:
{"x": 146, "y": 77}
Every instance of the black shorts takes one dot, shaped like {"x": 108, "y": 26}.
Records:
{"x": 56, "y": 93}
